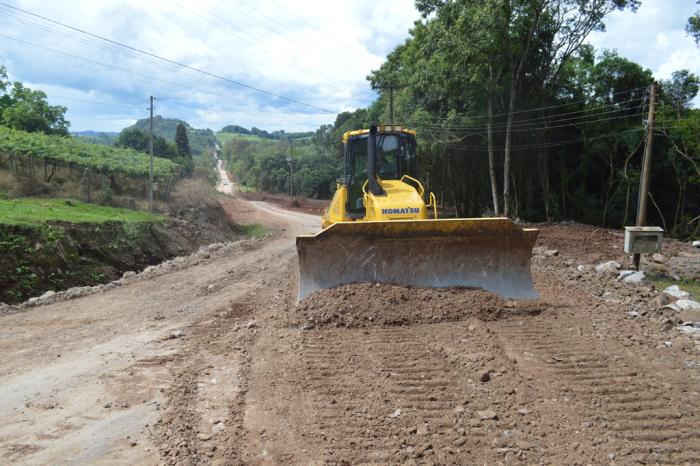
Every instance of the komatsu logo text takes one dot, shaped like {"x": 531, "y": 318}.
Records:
{"x": 405, "y": 210}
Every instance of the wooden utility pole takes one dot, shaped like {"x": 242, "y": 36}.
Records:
{"x": 646, "y": 166}
{"x": 291, "y": 168}
{"x": 391, "y": 88}
{"x": 150, "y": 162}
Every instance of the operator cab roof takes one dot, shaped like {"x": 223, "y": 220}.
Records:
{"x": 380, "y": 129}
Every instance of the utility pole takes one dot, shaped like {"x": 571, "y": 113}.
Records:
{"x": 291, "y": 168}
{"x": 391, "y": 88}
{"x": 646, "y": 165}
{"x": 150, "y": 162}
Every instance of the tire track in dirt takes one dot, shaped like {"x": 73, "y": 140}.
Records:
{"x": 637, "y": 416}
{"x": 391, "y": 395}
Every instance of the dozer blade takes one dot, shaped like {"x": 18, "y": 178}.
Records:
{"x": 489, "y": 253}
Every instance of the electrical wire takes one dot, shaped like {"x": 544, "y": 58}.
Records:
{"x": 584, "y": 101}
{"x": 174, "y": 62}
{"x": 123, "y": 70}
{"x": 302, "y": 45}
{"x": 611, "y": 108}
{"x": 229, "y": 28}
{"x": 77, "y": 99}
{"x": 534, "y": 123}
{"x": 527, "y": 147}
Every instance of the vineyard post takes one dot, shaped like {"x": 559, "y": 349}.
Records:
{"x": 150, "y": 162}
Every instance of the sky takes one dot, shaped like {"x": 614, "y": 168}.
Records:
{"x": 309, "y": 58}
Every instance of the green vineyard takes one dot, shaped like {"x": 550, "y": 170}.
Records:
{"x": 67, "y": 150}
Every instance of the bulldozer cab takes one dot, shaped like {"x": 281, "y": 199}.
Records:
{"x": 387, "y": 154}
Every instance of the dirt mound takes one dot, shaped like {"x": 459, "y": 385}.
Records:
{"x": 367, "y": 304}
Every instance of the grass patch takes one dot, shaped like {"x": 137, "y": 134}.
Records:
{"x": 254, "y": 230}
{"x": 36, "y": 211}
{"x": 226, "y": 137}
{"x": 247, "y": 189}
{"x": 691, "y": 286}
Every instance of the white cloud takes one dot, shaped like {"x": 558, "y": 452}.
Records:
{"x": 654, "y": 36}
{"x": 313, "y": 51}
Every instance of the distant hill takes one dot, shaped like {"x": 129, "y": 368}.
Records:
{"x": 201, "y": 140}
{"x": 105, "y": 138}
{"x": 280, "y": 134}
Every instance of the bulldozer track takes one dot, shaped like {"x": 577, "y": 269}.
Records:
{"x": 384, "y": 395}
{"x": 647, "y": 420}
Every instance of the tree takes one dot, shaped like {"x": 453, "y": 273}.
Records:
{"x": 4, "y": 83}
{"x": 693, "y": 26}
{"x": 27, "y": 110}
{"x": 181, "y": 141}
{"x": 139, "y": 140}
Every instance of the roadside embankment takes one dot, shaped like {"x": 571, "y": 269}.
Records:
{"x": 56, "y": 244}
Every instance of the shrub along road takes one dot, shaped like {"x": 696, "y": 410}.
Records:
{"x": 212, "y": 362}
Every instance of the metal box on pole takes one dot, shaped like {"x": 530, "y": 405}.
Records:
{"x": 643, "y": 240}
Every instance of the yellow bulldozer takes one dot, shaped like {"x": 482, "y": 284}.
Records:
{"x": 380, "y": 229}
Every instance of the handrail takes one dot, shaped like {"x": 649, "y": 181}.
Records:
{"x": 364, "y": 187}
{"x": 433, "y": 204}
{"x": 422, "y": 190}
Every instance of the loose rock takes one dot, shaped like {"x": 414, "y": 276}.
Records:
{"x": 487, "y": 414}
{"x": 674, "y": 293}
{"x": 659, "y": 258}
{"x": 683, "y": 305}
{"x": 631, "y": 277}
{"x": 689, "y": 316}
{"x": 607, "y": 266}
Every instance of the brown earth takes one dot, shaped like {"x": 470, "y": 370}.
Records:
{"x": 296, "y": 203}
{"x": 366, "y": 304}
{"x": 215, "y": 364}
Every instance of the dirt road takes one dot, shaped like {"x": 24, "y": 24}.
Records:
{"x": 215, "y": 364}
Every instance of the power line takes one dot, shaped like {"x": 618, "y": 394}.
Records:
{"x": 536, "y": 122}
{"x": 526, "y": 147}
{"x": 55, "y": 96}
{"x": 532, "y": 129}
{"x": 123, "y": 70}
{"x": 583, "y": 101}
{"x": 303, "y": 20}
{"x": 173, "y": 62}
{"x": 253, "y": 40}
{"x": 177, "y": 101}
{"x": 553, "y": 118}
{"x": 283, "y": 35}
{"x": 15, "y": 16}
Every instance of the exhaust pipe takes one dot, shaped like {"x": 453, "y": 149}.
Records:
{"x": 374, "y": 186}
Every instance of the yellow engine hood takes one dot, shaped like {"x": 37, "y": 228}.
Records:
{"x": 401, "y": 202}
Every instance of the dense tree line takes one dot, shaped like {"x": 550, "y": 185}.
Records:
{"x": 178, "y": 151}
{"x": 516, "y": 115}
{"x": 279, "y": 134}
{"x": 264, "y": 165}
{"x": 200, "y": 140}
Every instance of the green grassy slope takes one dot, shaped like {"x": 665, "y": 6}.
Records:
{"x": 35, "y": 211}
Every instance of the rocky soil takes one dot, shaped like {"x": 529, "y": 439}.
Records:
{"x": 212, "y": 361}
{"x": 372, "y": 304}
